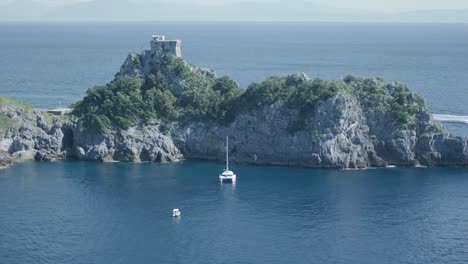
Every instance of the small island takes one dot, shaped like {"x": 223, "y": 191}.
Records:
{"x": 160, "y": 108}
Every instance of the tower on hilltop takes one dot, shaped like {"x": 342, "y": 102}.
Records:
{"x": 159, "y": 42}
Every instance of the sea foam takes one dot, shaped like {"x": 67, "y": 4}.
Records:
{"x": 451, "y": 118}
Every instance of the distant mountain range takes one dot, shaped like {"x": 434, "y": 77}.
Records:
{"x": 163, "y": 10}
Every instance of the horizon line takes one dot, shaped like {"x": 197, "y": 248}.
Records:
{"x": 17, "y": 21}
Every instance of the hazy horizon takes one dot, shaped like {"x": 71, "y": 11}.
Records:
{"x": 431, "y": 11}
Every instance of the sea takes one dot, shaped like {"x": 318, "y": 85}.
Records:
{"x": 85, "y": 212}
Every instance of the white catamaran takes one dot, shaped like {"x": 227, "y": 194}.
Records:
{"x": 227, "y": 175}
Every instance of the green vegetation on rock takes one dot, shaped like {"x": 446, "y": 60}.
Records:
{"x": 294, "y": 92}
{"x": 214, "y": 103}
{"x": 173, "y": 90}
{"x": 5, "y": 122}
{"x": 8, "y": 102}
{"x": 119, "y": 102}
{"x": 291, "y": 91}
{"x": 376, "y": 95}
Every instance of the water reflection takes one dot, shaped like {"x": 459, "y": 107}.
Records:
{"x": 176, "y": 220}
{"x": 228, "y": 186}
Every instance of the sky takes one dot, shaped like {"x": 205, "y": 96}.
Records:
{"x": 398, "y": 5}
{"x": 289, "y": 10}
{"x": 372, "y": 5}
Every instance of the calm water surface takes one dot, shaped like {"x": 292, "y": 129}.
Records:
{"x": 43, "y": 64}
{"x": 78, "y": 212}
{"x": 53, "y": 65}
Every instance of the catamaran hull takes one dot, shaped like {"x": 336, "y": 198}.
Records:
{"x": 227, "y": 179}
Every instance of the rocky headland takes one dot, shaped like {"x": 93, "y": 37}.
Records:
{"x": 160, "y": 108}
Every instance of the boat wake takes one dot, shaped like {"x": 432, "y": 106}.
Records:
{"x": 451, "y": 118}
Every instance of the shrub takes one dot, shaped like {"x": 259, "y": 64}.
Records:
{"x": 174, "y": 91}
{"x": 127, "y": 100}
{"x": 118, "y": 102}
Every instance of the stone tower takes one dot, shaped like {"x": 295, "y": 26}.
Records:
{"x": 159, "y": 42}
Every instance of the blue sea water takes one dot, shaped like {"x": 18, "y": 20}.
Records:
{"x": 81, "y": 212}
{"x": 53, "y": 65}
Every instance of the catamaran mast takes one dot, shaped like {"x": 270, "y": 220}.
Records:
{"x": 227, "y": 152}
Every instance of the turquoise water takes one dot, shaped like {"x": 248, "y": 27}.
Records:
{"x": 79, "y": 212}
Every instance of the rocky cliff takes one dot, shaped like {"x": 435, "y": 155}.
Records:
{"x": 137, "y": 143}
{"x": 160, "y": 108}
{"x": 27, "y": 133}
{"x": 340, "y": 133}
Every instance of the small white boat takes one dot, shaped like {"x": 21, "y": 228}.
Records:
{"x": 227, "y": 175}
{"x": 176, "y": 212}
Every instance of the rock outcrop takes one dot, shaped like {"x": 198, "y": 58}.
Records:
{"x": 27, "y": 133}
{"x": 340, "y": 134}
{"x": 363, "y": 123}
{"x": 138, "y": 143}
{"x": 141, "y": 65}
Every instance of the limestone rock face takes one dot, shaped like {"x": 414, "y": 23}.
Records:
{"x": 28, "y": 134}
{"x": 336, "y": 137}
{"x": 138, "y": 143}
{"x": 34, "y": 134}
{"x": 132, "y": 66}
{"x": 353, "y": 128}
{"x": 340, "y": 134}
